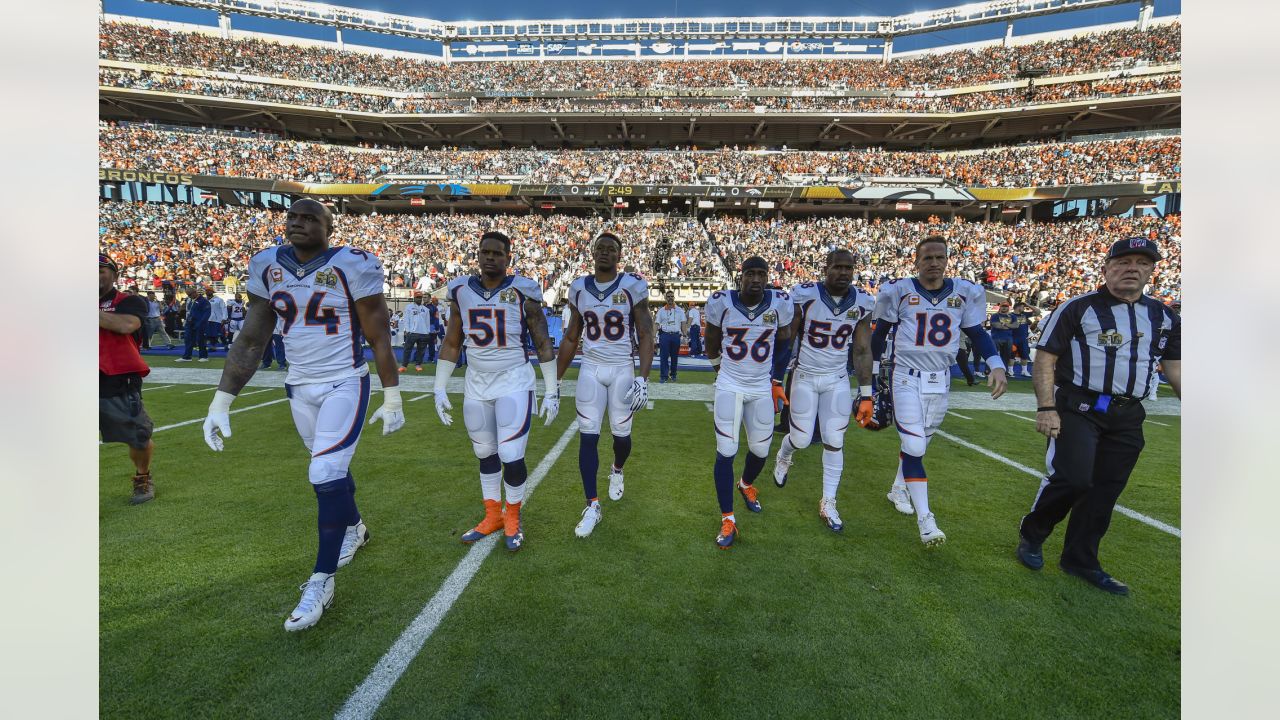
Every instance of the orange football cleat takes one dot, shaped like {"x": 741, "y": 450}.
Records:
{"x": 492, "y": 522}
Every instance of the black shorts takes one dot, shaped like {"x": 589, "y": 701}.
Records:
{"x": 121, "y": 418}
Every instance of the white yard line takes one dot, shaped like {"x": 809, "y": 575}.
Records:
{"x": 255, "y": 392}
{"x": 1157, "y": 422}
{"x": 649, "y": 405}
{"x": 1020, "y": 417}
{"x": 206, "y": 389}
{"x": 368, "y": 696}
{"x": 710, "y": 407}
{"x": 233, "y": 412}
{"x": 962, "y": 417}
{"x": 1040, "y": 476}
{"x": 156, "y": 387}
{"x": 424, "y": 395}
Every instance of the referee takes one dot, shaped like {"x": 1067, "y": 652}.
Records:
{"x": 1098, "y": 357}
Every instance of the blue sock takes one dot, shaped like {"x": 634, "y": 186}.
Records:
{"x": 724, "y": 482}
{"x": 589, "y": 462}
{"x": 621, "y": 450}
{"x": 351, "y": 486}
{"x": 514, "y": 473}
{"x": 335, "y": 506}
{"x": 913, "y": 467}
{"x": 752, "y": 468}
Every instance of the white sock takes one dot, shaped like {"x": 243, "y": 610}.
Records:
{"x": 919, "y": 496}
{"x": 898, "y": 482}
{"x": 491, "y": 486}
{"x": 515, "y": 493}
{"x": 786, "y": 450}
{"x": 731, "y": 518}
{"x": 832, "y": 466}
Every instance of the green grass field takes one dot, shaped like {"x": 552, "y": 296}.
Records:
{"x": 646, "y": 618}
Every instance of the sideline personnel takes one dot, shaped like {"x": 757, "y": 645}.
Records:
{"x": 1102, "y": 350}
{"x": 121, "y": 417}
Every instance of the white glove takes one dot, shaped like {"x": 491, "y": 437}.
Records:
{"x": 637, "y": 394}
{"x": 218, "y": 420}
{"x": 391, "y": 413}
{"x": 550, "y": 408}
{"x": 444, "y": 368}
{"x": 443, "y": 406}
{"x": 551, "y": 402}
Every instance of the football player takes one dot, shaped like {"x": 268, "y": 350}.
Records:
{"x": 235, "y": 317}
{"x": 492, "y": 313}
{"x": 328, "y": 300}
{"x": 748, "y": 342}
{"x": 829, "y": 317}
{"x": 612, "y": 310}
{"x": 926, "y": 314}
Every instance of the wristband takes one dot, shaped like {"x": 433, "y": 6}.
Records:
{"x": 875, "y": 367}
{"x": 715, "y": 361}
{"x": 1047, "y": 408}
{"x": 221, "y": 402}
{"x": 444, "y": 368}
{"x": 391, "y": 398}
{"x": 549, "y": 379}
{"x": 865, "y": 391}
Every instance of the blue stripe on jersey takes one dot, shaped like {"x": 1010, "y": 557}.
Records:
{"x": 850, "y": 299}
{"x": 474, "y": 283}
{"x": 755, "y": 312}
{"x": 592, "y": 288}
{"x": 357, "y": 332}
{"x": 934, "y": 296}
{"x": 286, "y": 257}
{"x": 357, "y": 423}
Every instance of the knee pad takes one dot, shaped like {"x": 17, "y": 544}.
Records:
{"x": 326, "y": 469}
{"x": 484, "y": 450}
{"x": 913, "y": 467}
{"x": 514, "y": 473}
{"x": 483, "y": 440}
{"x": 760, "y": 448}
{"x": 799, "y": 438}
{"x": 913, "y": 445}
{"x": 490, "y": 464}
{"x": 726, "y": 446}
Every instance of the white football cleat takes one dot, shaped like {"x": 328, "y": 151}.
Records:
{"x": 929, "y": 533}
{"x": 901, "y": 500}
{"x": 780, "y": 469}
{"x": 317, "y": 596}
{"x": 615, "y": 485}
{"x": 827, "y": 511}
{"x": 591, "y": 517}
{"x": 357, "y": 535}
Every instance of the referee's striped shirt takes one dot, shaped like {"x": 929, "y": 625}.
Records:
{"x": 1110, "y": 346}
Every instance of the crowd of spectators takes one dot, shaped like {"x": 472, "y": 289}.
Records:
{"x": 183, "y": 244}
{"x": 266, "y": 155}
{"x": 377, "y": 102}
{"x": 1086, "y": 52}
{"x": 1040, "y": 262}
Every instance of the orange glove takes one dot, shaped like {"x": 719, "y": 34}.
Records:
{"x": 866, "y": 411}
{"x": 779, "y": 397}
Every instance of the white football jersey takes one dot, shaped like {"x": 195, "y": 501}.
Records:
{"x": 316, "y": 304}
{"x": 607, "y": 334}
{"x": 929, "y": 322}
{"x": 235, "y": 310}
{"x": 749, "y": 336}
{"x": 826, "y": 327}
{"x": 493, "y": 322}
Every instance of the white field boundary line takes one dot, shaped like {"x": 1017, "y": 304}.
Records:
{"x": 204, "y": 389}
{"x": 156, "y": 387}
{"x": 962, "y": 417}
{"x": 1020, "y": 417}
{"x": 1164, "y": 527}
{"x": 368, "y": 696}
{"x": 255, "y": 392}
{"x": 1157, "y": 422}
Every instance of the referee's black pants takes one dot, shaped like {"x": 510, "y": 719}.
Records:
{"x": 1088, "y": 466}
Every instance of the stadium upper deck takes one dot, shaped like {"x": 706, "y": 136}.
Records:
{"x": 1118, "y": 79}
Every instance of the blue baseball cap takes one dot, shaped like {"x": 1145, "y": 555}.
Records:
{"x": 1132, "y": 245}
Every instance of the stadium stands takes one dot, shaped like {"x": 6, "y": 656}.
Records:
{"x": 264, "y": 155}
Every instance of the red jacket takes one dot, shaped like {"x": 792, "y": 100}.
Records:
{"x": 118, "y": 353}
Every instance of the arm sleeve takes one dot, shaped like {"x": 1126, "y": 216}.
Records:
{"x": 366, "y": 275}
{"x": 879, "y": 338}
{"x": 985, "y": 346}
{"x": 781, "y": 358}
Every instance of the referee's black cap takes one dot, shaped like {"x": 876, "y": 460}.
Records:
{"x": 1132, "y": 245}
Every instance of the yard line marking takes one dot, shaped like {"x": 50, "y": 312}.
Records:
{"x": 233, "y": 412}
{"x": 649, "y": 405}
{"x": 953, "y": 412}
{"x": 1039, "y": 475}
{"x": 156, "y": 387}
{"x": 1157, "y": 422}
{"x": 415, "y": 399}
{"x": 255, "y": 392}
{"x": 710, "y": 407}
{"x": 367, "y": 698}
{"x": 1019, "y": 416}
{"x": 212, "y": 387}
